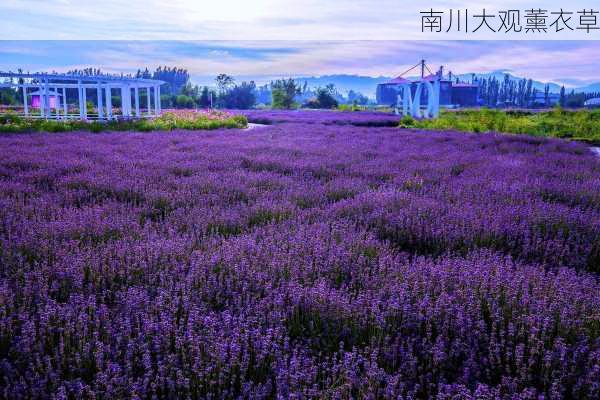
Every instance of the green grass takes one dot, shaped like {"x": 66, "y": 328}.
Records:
{"x": 582, "y": 125}
{"x": 352, "y": 107}
{"x": 12, "y": 123}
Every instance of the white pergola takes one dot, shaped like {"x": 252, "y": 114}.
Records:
{"x": 103, "y": 85}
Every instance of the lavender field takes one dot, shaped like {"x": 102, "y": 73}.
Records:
{"x": 326, "y": 117}
{"x": 302, "y": 260}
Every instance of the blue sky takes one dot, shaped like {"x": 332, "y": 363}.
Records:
{"x": 262, "y": 39}
{"x": 573, "y": 63}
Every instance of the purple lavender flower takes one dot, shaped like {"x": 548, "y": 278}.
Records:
{"x": 299, "y": 260}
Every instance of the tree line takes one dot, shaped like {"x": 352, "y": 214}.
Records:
{"x": 280, "y": 93}
{"x": 522, "y": 93}
{"x": 179, "y": 92}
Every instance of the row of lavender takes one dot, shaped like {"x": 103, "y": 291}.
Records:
{"x": 328, "y": 117}
{"x": 298, "y": 261}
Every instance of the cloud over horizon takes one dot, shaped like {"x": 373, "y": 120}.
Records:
{"x": 257, "y": 19}
{"x": 564, "y": 62}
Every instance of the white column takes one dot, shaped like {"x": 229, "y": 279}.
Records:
{"x": 130, "y": 100}
{"x": 126, "y": 100}
{"x": 42, "y": 100}
{"x": 149, "y": 104}
{"x": 123, "y": 102}
{"x": 84, "y": 101}
{"x": 108, "y": 102}
{"x": 25, "y": 105}
{"x": 47, "y": 97}
{"x": 100, "y": 105}
{"x": 79, "y": 96}
{"x": 158, "y": 105}
{"x": 65, "y": 108}
{"x": 137, "y": 102}
{"x": 156, "y": 100}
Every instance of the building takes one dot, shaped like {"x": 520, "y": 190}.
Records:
{"x": 451, "y": 93}
{"x": 53, "y": 98}
{"x": 465, "y": 94}
{"x": 592, "y": 103}
{"x": 387, "y": 92}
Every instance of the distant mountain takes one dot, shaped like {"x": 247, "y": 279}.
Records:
{"x": 592, "y": 88}
{"x": 344, "y": 83}
{"x": 368, "y": 84}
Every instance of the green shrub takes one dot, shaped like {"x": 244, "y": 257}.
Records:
{"x": 96, "y": 127}
{"x": 407, "y": 122}
{"x": 13, "y": 123}
{"x": 581, "y": 125}
{"x": 54, "y": 126}
{"x": 10, "y": 118}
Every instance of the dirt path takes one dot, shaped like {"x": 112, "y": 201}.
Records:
{"x": 255, "y": 126}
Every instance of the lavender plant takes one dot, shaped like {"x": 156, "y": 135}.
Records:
{"x": 298, "y": 261}
{"x": 329, "y": 117}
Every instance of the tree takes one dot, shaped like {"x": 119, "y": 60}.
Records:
{"x": 357, "y": 98}
{"x": 575, "y": 100}
{"x": 175, "y": 79}
{"x": 205, "y": 95}
{"x": 85, "y": 72}
{"x": 183, "y": 101}
{"x": 529, "y": 92}
{"x": 224, "y": 83}
{"x": 263, "y": 94}
{"x": 143, "y": 74}
{"x": 240, "y": 96}
{"x": 283, "y": 92}
{"x": 521, "y": 93}
{"x": 562, "y": 100}
{"x": 8, "y": 96}
{"x": 190, "y": 90}
{"x": 168, "y": 101}
{"x": 325, "y": 98}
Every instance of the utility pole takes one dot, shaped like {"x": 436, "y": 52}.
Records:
{"x": 422, "y": 69}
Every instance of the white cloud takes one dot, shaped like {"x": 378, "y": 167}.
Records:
{"x": 243, "y": 19}
{"x": 549, "y": 61}
{"x": 218, "y": 53}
